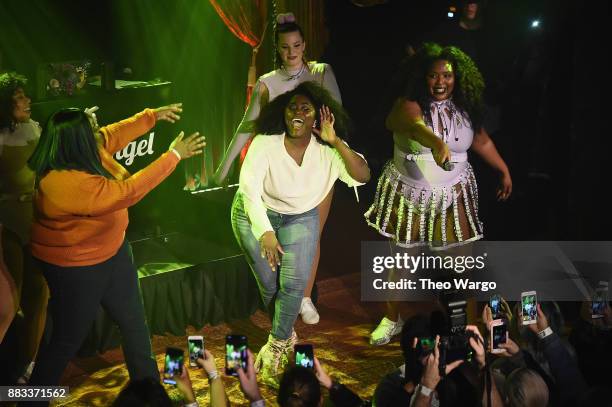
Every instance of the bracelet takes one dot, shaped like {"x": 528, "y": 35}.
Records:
{"x": 258, "y": 403}
{"x": 213, "y": 375}
{"x": 424, "y": 390}
{"x": 178, "y": 155}
{"x": 546, "y": 332}
{"x": 194, "y": 404}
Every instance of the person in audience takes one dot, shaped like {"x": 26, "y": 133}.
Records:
{"x": 22, "y": 285}
{"x": 565, "y": 382}
{"x": 290, "y": 168}
{"x": 78, "y": 236}
{"x": 525, "y": 388}
{"x": 299, "y": 386}
{"x": 294, "y": 69}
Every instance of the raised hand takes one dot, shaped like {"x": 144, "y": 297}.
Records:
{"x": 541, "y": 324}
{"x": 248, "y": 379}
{"x": 327, "y": 132}
{"x": 169, "y": 113}
{"x": 431, "y": 374}
{"x": 188, "y": 147}
{"x": 93, "y": 120}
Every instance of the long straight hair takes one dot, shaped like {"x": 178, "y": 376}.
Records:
{"x": 67, "y": 142}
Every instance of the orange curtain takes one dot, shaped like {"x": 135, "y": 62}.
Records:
{"x": 246, "y": 19}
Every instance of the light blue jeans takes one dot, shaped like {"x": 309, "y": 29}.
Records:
{"x": 281, "y": 290}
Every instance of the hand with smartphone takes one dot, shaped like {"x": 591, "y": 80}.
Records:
{"x": 195, "y": 346}
{"x": 529, "y": 308}
{"x": 599, "y": 303}
{"x": 499, "y": 335}
{"x": 235, "y": 354}
{"x": 173, "y": 365}
{"x": 176, "y": 374}
{"x": 304, "y": 355}
{"x": 541, "y": 322}
{"x": 248, "y": 379}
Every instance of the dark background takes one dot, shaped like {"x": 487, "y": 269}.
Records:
{"x": 551, "y": 84}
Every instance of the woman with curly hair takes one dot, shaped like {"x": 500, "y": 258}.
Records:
{"x": 427, "y": 194}
{"x": 289, "y": 170}
{"x": 21, "y": 283}
{"x": 293, "y": 69}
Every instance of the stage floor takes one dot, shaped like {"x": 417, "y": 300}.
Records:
{"x": 340, "y": 341}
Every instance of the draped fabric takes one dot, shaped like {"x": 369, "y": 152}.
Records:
{"x": 310, "y": 15}
{"x": 246, "y": 19}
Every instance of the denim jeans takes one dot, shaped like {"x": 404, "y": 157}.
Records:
{"x": 298, "y": 235}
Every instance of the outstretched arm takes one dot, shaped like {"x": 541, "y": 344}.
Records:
{"x": 246, "y": 127}
{"x": 406, "y": 121}
{"x": 485, "y": 148}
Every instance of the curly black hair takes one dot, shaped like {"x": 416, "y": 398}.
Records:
{"x": 469, "y": 83}
{"x": 10, "y": 83}
{"x": 271, "y": 119}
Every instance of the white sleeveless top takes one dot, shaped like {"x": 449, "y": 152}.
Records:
{"x": 280, "y": 81}
{"x": 417, "y": 162}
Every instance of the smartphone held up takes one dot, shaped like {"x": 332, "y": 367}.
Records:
{"x": 173, "y": 364}
{"x": 235, "y": 354}
{"x": 529, "y": 307}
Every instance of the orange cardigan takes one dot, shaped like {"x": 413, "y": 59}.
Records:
{"x": 81, "y": 218}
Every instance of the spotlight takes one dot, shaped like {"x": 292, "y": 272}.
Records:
{"x": 535, "y": 24}
{"x": 450, "y": 14}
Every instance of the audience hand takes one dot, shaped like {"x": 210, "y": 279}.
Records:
{"x": 477, "y": 345}
{"x": 183, "y": 383}
{"x": 248, "y": 380}
{"x": 542, "y": 322}
{"x": 208, "y": 363}
{"x": 322, "y": 375}
{"x": 431, "y": 374}
{"x": 510, "y": 348}
{"x": 169, "y": 113}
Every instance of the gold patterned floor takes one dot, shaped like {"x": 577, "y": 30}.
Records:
{"x": 340, "y": 343}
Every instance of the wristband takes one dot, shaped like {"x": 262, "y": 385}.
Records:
{"x": 194, "y": 404}
{"x": 424, "y": 390}
{"x": 546, "y": 332}
{"x": 258, "y": 403}
{"x": 213, "y": 375}
{"x": 178, "y": 155}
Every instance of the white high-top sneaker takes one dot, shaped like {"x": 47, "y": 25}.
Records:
{"x": 308, "y": 312}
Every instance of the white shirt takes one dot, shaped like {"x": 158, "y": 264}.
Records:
{"x": 271, "y": 179}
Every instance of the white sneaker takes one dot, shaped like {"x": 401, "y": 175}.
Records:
{"x": 308, "y": 312}
{"x": 386, "y": 330}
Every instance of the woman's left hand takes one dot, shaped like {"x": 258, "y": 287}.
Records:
{"x": 169, "y": 113}
{"x": 505, "y": 187}
{"x": 327, "y": 132}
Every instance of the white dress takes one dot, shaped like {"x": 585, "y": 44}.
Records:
{"x": 414, "y": 193}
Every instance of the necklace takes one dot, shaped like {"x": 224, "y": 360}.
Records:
{"x": 294, "y": 76}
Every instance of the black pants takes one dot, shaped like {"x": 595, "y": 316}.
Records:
{"x": 76, "y": 294}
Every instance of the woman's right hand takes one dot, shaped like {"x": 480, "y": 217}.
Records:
{"x": 441, "y": 153}
{"x": 188, "y": 147}
{"x": 270, "y": 249}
